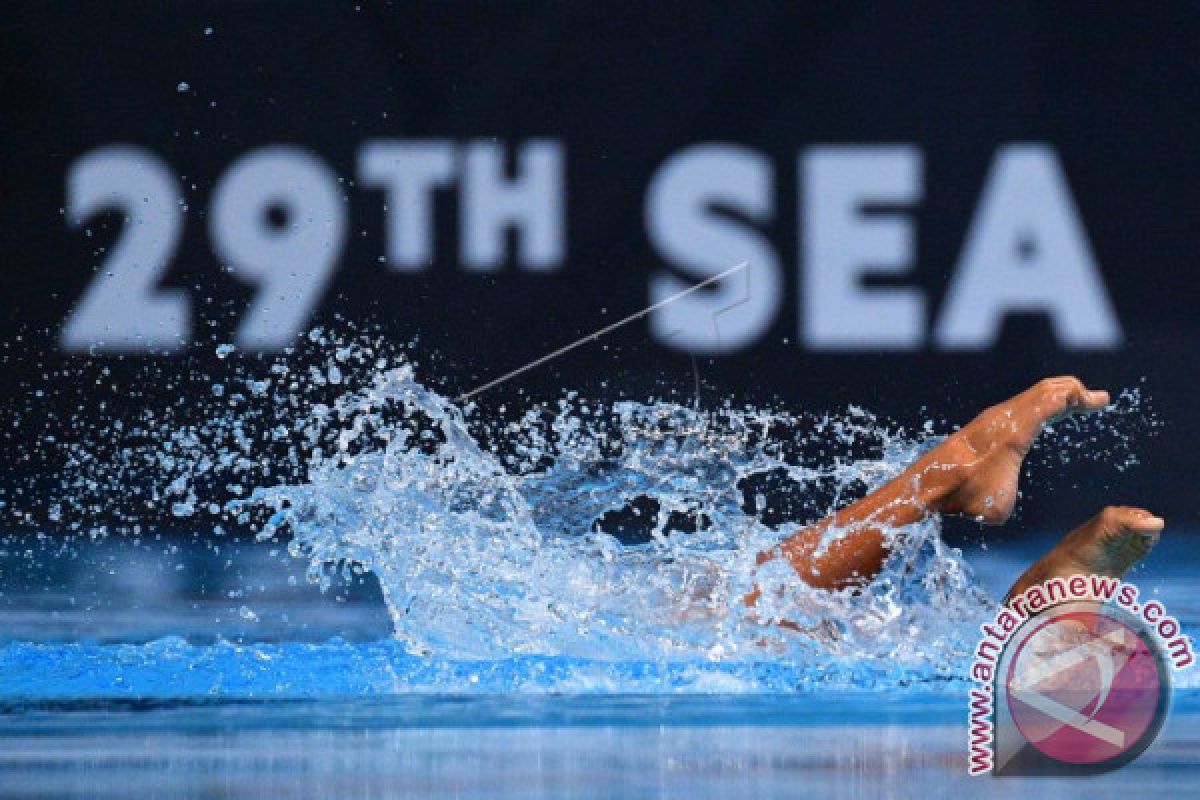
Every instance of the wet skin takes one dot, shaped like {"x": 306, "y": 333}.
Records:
{"x": 974, "y": 473}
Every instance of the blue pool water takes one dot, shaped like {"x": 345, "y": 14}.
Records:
{"x": 121, "y": 675}
{"x": 369, "y": 590}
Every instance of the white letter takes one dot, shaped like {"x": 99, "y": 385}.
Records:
{"x": 1026, "y": 251}
{"x": 842, "y": 244}
{"x": 292, "y": 259}
{"x": 698, "y": 239}
{"x": 409, "y": 172}
{"x": 531, "y": 203}
{"x": 123, "y": 310}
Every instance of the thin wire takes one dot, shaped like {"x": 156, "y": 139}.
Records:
{"x": 696, "y": 376}
{"x": 591, "y": 337}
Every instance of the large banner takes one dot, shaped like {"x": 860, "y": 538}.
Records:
{"x": 935, "y": 209}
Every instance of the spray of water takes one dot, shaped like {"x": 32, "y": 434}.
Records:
{"x": 624, "y": 532}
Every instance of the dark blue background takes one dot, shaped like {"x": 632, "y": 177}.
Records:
{"x": 1115, "y": 89}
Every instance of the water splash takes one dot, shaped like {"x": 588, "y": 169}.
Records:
{"x": 487, "y": 552}
{"x": 604, "y": 533}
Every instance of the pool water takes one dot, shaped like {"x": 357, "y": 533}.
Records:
{"x": 160, "y": 670}
{"x": 371, "y": 590}
{"x": 564, "y": 746}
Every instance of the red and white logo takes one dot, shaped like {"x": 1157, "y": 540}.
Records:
{"x": 1073, "y": 677}
{"x": 1083, "y": 688}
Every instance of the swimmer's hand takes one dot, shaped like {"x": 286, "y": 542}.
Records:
{"x": 1109, "y": 544}
{"x": 975, "y": 471}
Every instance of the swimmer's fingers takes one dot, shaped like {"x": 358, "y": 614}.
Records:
{"x": 1128, "y": 518}
{"x": 1146, "y": 522}
{"x": 1067, "y": 395}
{"x": 1128, "y": 533}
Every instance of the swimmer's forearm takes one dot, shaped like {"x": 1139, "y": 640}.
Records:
{"x": 973, "y": 472}
{"x": 860, "y": 551}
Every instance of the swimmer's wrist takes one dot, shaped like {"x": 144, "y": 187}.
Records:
{"x": 933, "y": 496}
{"x": 932, "y": 488}
{"x": 937, "y": 477}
